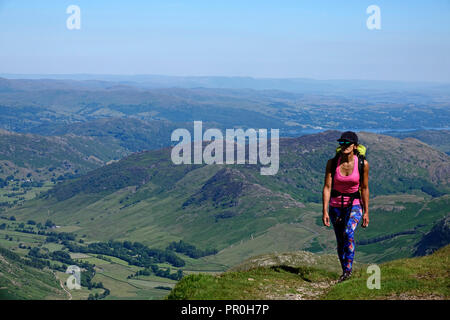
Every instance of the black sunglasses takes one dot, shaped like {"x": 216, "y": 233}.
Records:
{"x": 345, "y": 143}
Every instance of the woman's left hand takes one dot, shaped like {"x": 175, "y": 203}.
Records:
{"x": 365, "y": 222}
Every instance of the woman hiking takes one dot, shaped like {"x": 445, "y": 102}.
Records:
{"x": 343, "y": 203}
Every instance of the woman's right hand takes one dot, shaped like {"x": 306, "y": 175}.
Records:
{"x": 326, "y": 219}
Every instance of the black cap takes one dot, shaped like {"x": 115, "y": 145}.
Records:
{"x": 349, "y": 136}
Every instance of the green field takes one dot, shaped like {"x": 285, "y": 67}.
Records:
{"x": 111, "y": 271}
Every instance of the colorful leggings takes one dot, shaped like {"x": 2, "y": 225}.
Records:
{"x": 344, "y": 227}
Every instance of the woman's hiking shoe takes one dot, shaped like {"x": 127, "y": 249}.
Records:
{"x": 345, "y": 276}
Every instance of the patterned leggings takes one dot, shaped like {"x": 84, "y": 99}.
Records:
{"x": 344, "y": 227}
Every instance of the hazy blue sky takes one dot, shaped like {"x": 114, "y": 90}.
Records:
{"x": 313, "y": 39}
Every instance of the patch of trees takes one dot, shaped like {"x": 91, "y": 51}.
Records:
{"x": 101, "y": 257}
{"x": 14, "y": 194}
{"x": 30, "y": 184}
{"x": 190, "y": 250}
{"x": 405, "y": 185}
{"x": 154, "y": 269}
{"x": 49, "y": 224}
{"x": 3, "y": 183}
{"x": 24, "y": 230}
{"x": 135, "y": 253}
{"x": 61, "y": 256}
{"x": 432, "y": 191}
{"x": 23, "y": 246}
{"x": 163, "y": 288}
{"x": 99, "y": 296}
{"x": 36, "y": 253}
{"x": 32, "y": 262}
{"x": 55, "y": 237}
{"x": 9, "y": 254}
{"x": 58, "y": 236}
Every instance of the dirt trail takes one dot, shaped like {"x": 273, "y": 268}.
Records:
{"x": 62, "y": 286}
{"x": 307, "y": 291}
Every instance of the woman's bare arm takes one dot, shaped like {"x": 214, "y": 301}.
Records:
{"x": 326, "y": 194}
{"x": 365, "y": 194}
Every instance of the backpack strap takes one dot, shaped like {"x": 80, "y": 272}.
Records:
{"x": 361, "y": 159}
{"x": 334, "y": 163}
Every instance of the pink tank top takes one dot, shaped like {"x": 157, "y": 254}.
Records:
{"x": 346, "y": 184}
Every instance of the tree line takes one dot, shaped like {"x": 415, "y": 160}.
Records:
{"x": 135, "y": 253}
{"x": 154, "y": 269}
{"x": 190, "y": 250}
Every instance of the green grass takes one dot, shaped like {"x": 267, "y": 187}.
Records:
{"x": 259, "y": 283}
{"x": 426, "y": 277}
{"x": 415, "y": 278}
{"x": 52, "y": 246}
{"x": 18, "y": 281}
{"x": 13, "y": 193}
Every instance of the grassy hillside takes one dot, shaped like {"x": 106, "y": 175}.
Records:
{"x": 145, "y": 197}
{"x": 30, "y": 164}
{"x": 438, "y": 236}
{"x": 20, "y": 281}
{"x": 38, "y": 157}
{"x": 125, "y": 133}
{"x": 415, "y": 278}
{"x": 426, "y": 277}
{"x": 440, "y": 139}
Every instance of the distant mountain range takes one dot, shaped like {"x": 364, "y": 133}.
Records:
{"x": 32, "y": 106}
{"x": 298, "y": 85}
